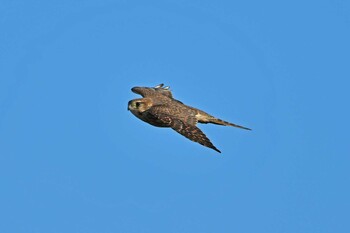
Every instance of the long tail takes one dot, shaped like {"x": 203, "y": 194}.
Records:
{"x": 203, "y": 117}
{"x": 222, "y": 122}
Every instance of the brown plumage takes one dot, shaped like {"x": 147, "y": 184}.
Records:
{"x": 159, "y": 108}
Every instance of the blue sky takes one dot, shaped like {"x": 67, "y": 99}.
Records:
{"x": 73, "y": 159}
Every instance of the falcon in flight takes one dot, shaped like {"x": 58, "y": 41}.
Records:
{"x": 159, "y": 108}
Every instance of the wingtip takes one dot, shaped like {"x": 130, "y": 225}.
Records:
{"x": 134, "y": 89}
{"x": 216, "y": 149}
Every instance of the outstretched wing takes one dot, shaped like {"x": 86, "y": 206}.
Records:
{"x": 192, "y": 132}
{"x": 185, "y": 126}
{"x": 152, "y": 91}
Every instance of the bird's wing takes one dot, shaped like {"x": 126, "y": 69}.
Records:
{"x": 192, "y": 132}
{"x": 143, "y": 91}
{"x": 165, "y": 91}
{"x": 159, "y": 114}
{"x": 185, "y": 126}
{"x": 153, "y": 91}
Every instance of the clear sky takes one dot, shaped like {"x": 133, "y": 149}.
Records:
{"x": 73, "y": 159}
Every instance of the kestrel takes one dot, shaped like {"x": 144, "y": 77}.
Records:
{"x": 159, "y": 108}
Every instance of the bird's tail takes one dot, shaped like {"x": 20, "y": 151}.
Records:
{"x": 203, "y": 117}
{"x": 222, "y": 122}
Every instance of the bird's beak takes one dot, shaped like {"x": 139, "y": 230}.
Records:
{"x": 129, "y": 103}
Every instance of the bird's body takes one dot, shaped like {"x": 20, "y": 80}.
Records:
{"x": 159, "y": 108}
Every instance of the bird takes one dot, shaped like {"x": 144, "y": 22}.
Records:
{"x": 159, "y": 108}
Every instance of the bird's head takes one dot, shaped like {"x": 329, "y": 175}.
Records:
{"x": 139, "y": 105}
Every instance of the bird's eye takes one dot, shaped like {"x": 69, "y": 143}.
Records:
{"x": 137, "y": 104}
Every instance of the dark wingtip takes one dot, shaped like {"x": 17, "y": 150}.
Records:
{"x": 216, "y": 149}
{"x": 134, "y": 89}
